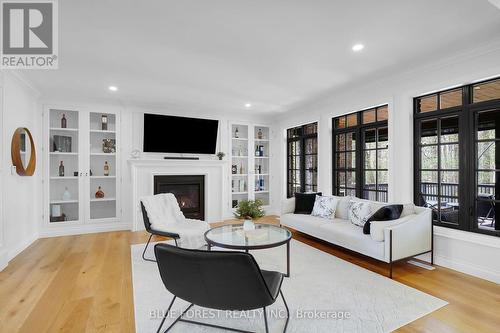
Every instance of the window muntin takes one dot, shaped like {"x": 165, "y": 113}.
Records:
{"x": 361, "y": 167}
{"x": 439, "y": 101}
{"x": 457, "y": 164}
{"x": 302, "y": 159}
{"x": 439, "y": 168}
{"x": 486, "y": 91}
{"x": 375, "y": 166}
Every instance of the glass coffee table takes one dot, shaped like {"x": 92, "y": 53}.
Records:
{"x": 264, "y": 236}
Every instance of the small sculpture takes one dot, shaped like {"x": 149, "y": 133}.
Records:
{"x": 221, "y": 155}
{"x": 99, "y": 194}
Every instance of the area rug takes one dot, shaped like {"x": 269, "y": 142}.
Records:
{"x": 324, "y": 294}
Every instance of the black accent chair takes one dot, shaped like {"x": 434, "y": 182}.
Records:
{"x": 152, "y": 232}
{"x": 221, "y": 280}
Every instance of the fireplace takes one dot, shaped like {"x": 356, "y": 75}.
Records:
{"x": 188, "y": 190}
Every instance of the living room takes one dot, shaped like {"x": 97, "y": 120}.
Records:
{"x": 252, "y": 166}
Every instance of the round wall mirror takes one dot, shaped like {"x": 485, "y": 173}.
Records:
{"x": 23, "y": 152}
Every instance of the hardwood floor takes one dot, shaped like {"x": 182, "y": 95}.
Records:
{"x": 83, "y": 284}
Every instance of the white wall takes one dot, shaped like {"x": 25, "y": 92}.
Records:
{"x": 452, "y": 247}
{"x": 20, "y": 200}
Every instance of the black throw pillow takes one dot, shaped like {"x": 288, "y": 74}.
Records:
{"x": 386, "y": 213}
{"x": 304, "y": 202}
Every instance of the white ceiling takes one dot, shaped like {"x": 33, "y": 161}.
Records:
{"x": 218, "y": 55}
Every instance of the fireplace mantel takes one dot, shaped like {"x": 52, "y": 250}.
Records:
{"x": 159, "y": 162}
{"x": 215, "y": 172}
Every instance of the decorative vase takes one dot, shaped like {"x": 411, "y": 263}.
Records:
{"x": 104, "y": 122}
{"x": 66, "y": 195}
{"x": 248, "y": 225}
{"x": 99, "y": 194}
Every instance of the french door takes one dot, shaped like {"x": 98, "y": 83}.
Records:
{"x": 486, "y": 170}
{"x": 457, "y": 168}
{"x": 457, "y": 160}
{"x": 441, "y": 183}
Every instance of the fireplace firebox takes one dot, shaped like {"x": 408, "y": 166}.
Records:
{"x": 188, "y": 190}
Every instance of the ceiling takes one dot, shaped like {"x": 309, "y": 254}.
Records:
{"x": 218, "y": 55}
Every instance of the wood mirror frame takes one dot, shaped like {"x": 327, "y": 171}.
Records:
{"x": 16, "y": 153}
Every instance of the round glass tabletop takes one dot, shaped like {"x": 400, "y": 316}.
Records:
{"x": 234, "y": 237}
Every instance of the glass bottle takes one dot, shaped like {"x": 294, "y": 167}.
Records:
{"x": 104, "y": 122}
{"x": 106, "y": 168}
{"x": 259, "y": 134}
{"x": 100, "y": 193}
{"x": 61, "y": 169}
{"x": 64, "y": 122}
{"x": 66, "y": 195}
{"x": 236, "y": 133}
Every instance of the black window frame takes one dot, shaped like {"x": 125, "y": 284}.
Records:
{"x": 359, "y": 131}
{"x": 467, "y": 114}
{"x": 301, "y": 139}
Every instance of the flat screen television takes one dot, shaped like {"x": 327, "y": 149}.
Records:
{"x": 169, "y": 134}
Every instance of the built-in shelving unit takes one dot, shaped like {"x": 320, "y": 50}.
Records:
{"x": 250, "y": 146}
{"x": 82, "y": 147}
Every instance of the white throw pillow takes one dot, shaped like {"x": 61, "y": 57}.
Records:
{"x": 324, "y": 207}
{"x": 342, "y": 211}
{"x": 359, "y": 212}
{"x": 408, "y": 209}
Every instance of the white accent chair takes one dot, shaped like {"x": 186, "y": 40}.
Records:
{"x": 163, "y": 217}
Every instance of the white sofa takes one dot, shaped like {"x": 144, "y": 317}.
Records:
{"x": 388, "y": 241}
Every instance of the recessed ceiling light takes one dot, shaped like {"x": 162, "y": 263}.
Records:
{"x": 113, "y": 88}
{"x": 358, "y": 47}
{"x": 248, "y": 105}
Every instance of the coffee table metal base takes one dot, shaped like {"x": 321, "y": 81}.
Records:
{"x": 209, "y": 247}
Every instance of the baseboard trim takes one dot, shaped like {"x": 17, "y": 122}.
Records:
{"x": 21, "y": 247}
{"x": 3, "y": 260}
{"x": 83, "y": 229}
{"x": 467, "y": 236}
{"x": 468, "y": 268}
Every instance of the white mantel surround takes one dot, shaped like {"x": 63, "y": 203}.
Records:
{"x": 215, "y": 172}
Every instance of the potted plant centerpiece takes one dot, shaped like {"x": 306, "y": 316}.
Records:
{"x": 249, "y": 210}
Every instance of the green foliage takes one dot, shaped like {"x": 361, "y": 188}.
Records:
{"x": 249, "y": 209}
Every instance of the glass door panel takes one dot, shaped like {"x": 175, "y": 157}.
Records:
{"x": 240, "y": 153}
{"x": 375, "y": 164}
{"x": 311, "y": 164}
{"x": 103, "y": 163}
{"x": 487, "y": 170}
{"x": 439, "y": 168}
{"x": 64, "y": 168}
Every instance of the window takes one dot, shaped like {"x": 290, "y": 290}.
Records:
{"x": 360, "y": 148}
{"x": 439, "y": 168}
{"x": 457, "y": 164}
{"x": 302, "y": 159}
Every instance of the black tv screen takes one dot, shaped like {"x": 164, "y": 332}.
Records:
{"x": 169, "y": 134}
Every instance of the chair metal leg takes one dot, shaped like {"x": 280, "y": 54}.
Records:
{"x": 287, "y": 311}
{"x": 265, "y": 319}
{"x": 145, "y": 248}
{"x": 178, "y": 318}
{"x": 166, "y": 314}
